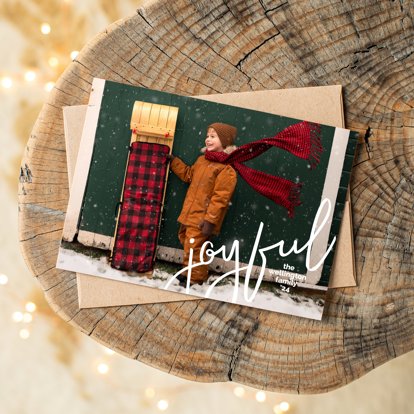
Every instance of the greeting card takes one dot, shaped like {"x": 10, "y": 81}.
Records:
{"x": 276, "y": 237}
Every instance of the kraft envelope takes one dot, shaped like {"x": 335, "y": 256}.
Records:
{"x": 317, "y": 104}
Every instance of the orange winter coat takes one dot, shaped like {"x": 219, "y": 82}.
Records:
{"x": 211, "y": 187}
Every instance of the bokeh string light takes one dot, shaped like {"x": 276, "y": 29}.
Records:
{"x": 56, "y": 61}
{"x": 3, "y": 279}
{"x": 165, "y": 397}
{"x": 162, "y": 398}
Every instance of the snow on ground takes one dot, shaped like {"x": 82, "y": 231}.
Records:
{"x": 283, "y": 302}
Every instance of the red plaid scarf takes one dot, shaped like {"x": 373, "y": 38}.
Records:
{"x": 302, "y": 140}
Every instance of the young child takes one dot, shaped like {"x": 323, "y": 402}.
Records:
{"x": 211, "y": 187}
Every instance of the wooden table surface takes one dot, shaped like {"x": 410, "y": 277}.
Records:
{"x": 200, "y": 47}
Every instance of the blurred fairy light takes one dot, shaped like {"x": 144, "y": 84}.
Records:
{"x": 3, "y": 279}
{"x": 284, "y": 406}
{"x": 17, "y": 316}
{"x": 6, "y": 82}
{"x": 103, "y": 368}
{"x": 49, "y": 86}
{"x": 53, "y": 61}
{"x": 30, "y": 307}
{"x": 260, "y": 396}
{"x": 281, "y": 408}
{"x": 162, "y": 405}
{"x": 45, "y": 28}
{"x": 30, "y": 76}
{"x": 108, "y": 351}
{"x": 150, "y": 392}
{"x": 239, "y": 392}
{"x": 24, "y": 333}
{"x": 74, "y": 54}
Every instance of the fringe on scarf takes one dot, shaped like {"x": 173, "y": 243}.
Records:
{"x": 316, "y": 147}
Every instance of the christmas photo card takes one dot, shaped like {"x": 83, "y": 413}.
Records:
{"x": 206, "y": 199}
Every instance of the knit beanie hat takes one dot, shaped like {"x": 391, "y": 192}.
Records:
{"x": 227, "y": 133}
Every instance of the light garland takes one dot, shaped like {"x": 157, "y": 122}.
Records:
{"x": 17, "y": 317}
{"x": 3, "y": 279}
{"x": 239, "y": 392}
{"x": 30, "y": 76}
{"x": 74, "y": 54}
{"x": 30, "y": 307}
{"x": 6, "y": 82}
{"x": 45, "y": 28}
{"x": 24, "y": 317}
{"x": 49, "y": 86}
{"x": 108, "y": 351}
{"x": 162, "y": 405}
{"x": 53, "y": 61}
{"x": 260, "y": 396}
{"x": 103, "y": 368}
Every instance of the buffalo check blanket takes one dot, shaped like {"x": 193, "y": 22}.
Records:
{"x": 139, "y": 217}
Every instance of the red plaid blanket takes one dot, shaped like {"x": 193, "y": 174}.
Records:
{"x": 138, "y": 223}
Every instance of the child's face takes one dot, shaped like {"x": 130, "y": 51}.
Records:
{"x": 213, "y": 142}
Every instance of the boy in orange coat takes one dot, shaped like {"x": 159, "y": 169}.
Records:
{"x": 211, "y": 187}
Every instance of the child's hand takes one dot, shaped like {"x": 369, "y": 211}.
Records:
{"x": 207, "y": 228}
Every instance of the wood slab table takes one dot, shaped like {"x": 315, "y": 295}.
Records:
{"x": 200, "y": 47}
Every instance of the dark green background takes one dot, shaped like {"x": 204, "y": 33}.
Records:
{"x": 248, "y": 208}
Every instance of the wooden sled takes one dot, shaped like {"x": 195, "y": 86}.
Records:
{"x": 143, "y": 193}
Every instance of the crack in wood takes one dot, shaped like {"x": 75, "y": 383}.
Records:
{"x": 40, "y": 234}
{"x": 140, "y": 13}
{"x": 181, "y": 334}
{"x": 238, "y": 65}
{"x": 144, "y": 330}
{"x": 25, "y": 174}
{"x": 266, "y": 10}
{"x": 236, "y": 352}
{"x": 95, "y": 325}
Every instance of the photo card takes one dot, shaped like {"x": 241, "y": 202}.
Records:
{"x": 263, "y": 216}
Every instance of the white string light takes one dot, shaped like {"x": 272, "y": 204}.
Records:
{"x": 260, "y": 396}
{"x": 17, "y": 316}
{"x": 49, "y": 86}
{"x": 3, "y": 279}
{"x": 74, "y": 54}
{"x": 103, "y": 368}
{"x": 239, "y": 392}
{"x": 30, "y": 307}
{"x": 284, "y": 406}
{"x": 45, "y": 28}
{"x": 30, "y": 76}
{"x": 6, "y": 82}
{"x": 162, "y": 405}
{"x": 108, "y": 351}
{"x": 53, "y": 61}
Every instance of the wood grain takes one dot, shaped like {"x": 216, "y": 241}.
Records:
{"x": 201, "y": 47}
